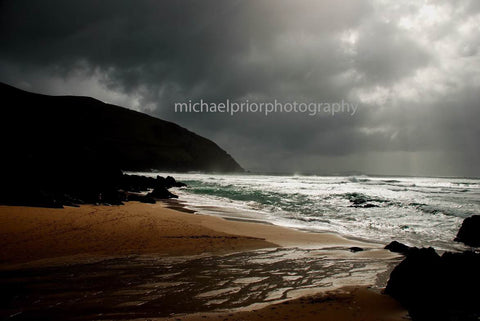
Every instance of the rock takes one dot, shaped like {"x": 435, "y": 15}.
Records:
{"x": 160, "y": 182}
{"x": 437, "y": 288}
{"x": 369, "y": 205}
{"x": 141, "y": 198}
{"x": 415, "y": 281}
{"x": 460, "y": 282}
{"x": 180, "y": 184}
{"x": 91, "y": 183}
{"x": 30, "y": 196}
{"x": 355, "y": 249}
{"x": 138, "y": 183}
{"x": 161, "y": 193}
{"x": 171, "y": 182}
{"x": 398, "y": 247}
{"x": 469, "y": 232}
{"x": 112, "y": 197}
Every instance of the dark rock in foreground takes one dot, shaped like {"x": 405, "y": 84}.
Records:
{"x": 469, "y": 232}
{"x": 398, "y": 247}
{"x": 437, "y": 288}
{"x": 414, "y": 280}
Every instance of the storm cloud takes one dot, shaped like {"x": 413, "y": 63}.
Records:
{"x": 413, "y": 67}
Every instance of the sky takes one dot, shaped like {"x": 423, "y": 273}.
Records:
{"x": 411, "y": 67}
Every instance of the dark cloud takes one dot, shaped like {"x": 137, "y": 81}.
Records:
{"x": 412, "y": 68}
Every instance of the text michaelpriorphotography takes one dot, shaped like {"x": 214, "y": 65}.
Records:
{"x": 268, "y": 107}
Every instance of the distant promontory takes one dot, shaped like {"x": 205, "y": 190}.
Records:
{"x": 40, "y": 129}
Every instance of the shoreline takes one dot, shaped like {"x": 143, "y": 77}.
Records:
{"x": 98, "y": 231}
{"x": 177, "y": 205}
{"x": 34, "y": 238}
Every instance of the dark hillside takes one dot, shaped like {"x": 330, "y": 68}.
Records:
{"x": 39, "y": 129}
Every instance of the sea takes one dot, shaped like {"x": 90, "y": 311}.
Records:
{"x": 417, "y": 211}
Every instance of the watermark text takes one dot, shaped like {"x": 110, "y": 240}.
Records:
{"x": 267, "y": 108}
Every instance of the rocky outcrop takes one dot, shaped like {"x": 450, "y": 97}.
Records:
{"x": 437, "y": 288}
{"x": 398, "y": 247}
{"x": 161, "y": 193}
{"x": 171, "y": 182}
{"x": 86, "y": 186}
{"x": 469, "y": 232}
{"x": 141, "y": 198}
{"x": 414, "y": 281}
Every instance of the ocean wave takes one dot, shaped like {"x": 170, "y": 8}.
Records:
{"x": 417, "y": 211}
{"x": 391, "y": 181}
{"x": 355, "y": 179}
{"x": 432, "y": 209}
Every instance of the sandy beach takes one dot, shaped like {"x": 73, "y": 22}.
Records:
{"x": 30, "y": 233}
{"x": 36, "y": 237}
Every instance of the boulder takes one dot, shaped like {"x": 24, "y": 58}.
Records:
{"x": 180, "y": 184}
{"x": 437, "y": 288}
{"x": 469, "y": 232}
{"x": 160, "y": 182}
{"x": 161, "y": 193}
{"x": 398, "y": 247}
{"x": 171, "y": 182}
{"x": 141, "y": 198}
{"x": 461, "y": 282}
{"x": 415, "y": 282}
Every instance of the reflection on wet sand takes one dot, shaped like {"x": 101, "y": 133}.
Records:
{"x": 150, "y": 286}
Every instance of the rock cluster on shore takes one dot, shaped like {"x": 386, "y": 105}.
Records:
{"x": 434, "y": 287}
{"x": 93, "y": 186}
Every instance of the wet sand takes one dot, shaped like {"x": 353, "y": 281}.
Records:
{"x": 149, "y": 286}
{"x": 148, "y": 261}
{"x": 29, "y": 234}
{"x": 346, "y": 304}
